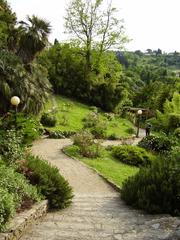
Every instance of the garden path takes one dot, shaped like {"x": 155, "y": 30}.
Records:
{"x": 97, "y": 212}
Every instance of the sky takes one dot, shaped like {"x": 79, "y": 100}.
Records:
{"x": 148, "y": 23}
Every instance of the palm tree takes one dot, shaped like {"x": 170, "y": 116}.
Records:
{"x": 33, "y": 38}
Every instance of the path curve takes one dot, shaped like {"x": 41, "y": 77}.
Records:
{"x": 82, "y": 179}
{"x": 97, "y": 212}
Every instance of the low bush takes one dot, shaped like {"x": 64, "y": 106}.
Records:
{"x": 113, "y": 136}
{"x": 130, "y": 130}
{"x": 132, "y": 155}
{"x": 7, "y": 207}
{"x": 155, "y": 189}
{"x": 159, "y": 144}
{"x": 11, "y": 147}
{"x": 91, "y": 120}
{"x": 49, "y": 182}
{"x": 60, "y": 134}
{"x": 99, "y": 131}
{"x": 16, "y": 184}
{"x": 15, "y": 190}
{"x": 48, "y": 120}
{"x": 86, "y": 144}
{"x": 109, "y": 116}
{"x": 93, "y": 109}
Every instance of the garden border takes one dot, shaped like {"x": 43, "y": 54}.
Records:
{"x": 24, "y": 220}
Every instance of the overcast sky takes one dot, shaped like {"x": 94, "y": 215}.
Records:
{"x": 149, "y": 23}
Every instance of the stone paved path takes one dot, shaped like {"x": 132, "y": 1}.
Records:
{"x": 97, "y": 211}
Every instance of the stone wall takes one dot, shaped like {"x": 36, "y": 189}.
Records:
{"x": 23, "y": 220}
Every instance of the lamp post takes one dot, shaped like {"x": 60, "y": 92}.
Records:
{"x": 139, "y": 113}
{"x": 15, "y": 102}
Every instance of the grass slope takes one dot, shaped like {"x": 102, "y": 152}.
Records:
{"x": 107, "y": 165}
{"x": 70, "y": 115}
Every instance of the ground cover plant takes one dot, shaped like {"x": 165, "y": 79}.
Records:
{"x": 73, "y": 116}
{"x": 15, "y": 190}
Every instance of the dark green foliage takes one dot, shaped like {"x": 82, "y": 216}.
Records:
{"x": 49, "y": 182}
{"x": 177, "y": 132}
{"x": 174, "y": 121}
{"x": 130, "y": 130}
{"x": 113, "y": 136}
{"x": 48, "y": 120}
{"x": 86, "y": 144}
{"x": 155, "y": 189}
{"x": 132, "y": 155}
{"x": 159, "y": 144}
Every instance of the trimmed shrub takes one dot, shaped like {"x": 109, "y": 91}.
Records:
{"x": 49, "y": 182}
{"x": 7, "y": 207}
{"x": 160, "y": 144}
{"x": 155, "y": 189}
{"x": 48, "y": 120}
{"x": 132, "y": 155}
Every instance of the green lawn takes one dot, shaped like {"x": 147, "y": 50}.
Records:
{"x": 70, "y": 115}
{"x": 107, "y": 165}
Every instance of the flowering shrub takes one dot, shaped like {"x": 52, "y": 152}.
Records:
{"x": 87, "y": 145}
{"x": 158, "y": 144}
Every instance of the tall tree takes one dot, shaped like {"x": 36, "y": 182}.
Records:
{"x": 94, "y": 28}
{"x": 33, "y": 38}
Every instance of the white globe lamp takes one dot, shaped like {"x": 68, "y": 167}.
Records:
{"x": 15, "y": 101}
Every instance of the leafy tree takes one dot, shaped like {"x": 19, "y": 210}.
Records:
{"x": 94, "y": 28}
{"x": 7, "y": 22}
